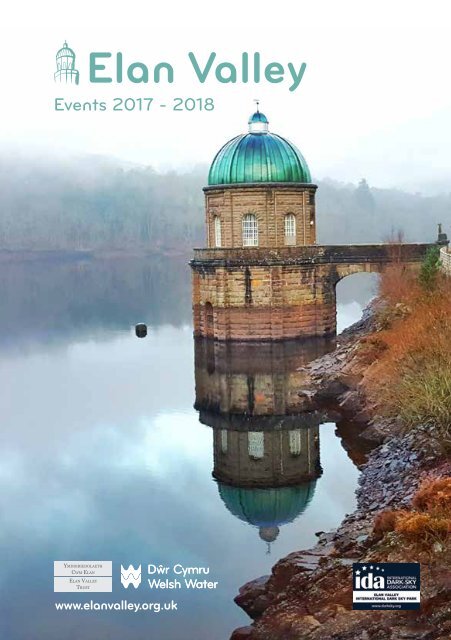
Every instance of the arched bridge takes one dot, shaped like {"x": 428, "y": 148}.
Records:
{"x": 263, "y": 293}
{"x": 356, "y": 254}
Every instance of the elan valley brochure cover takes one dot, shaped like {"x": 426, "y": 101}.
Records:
{"x": 225, "y": 321}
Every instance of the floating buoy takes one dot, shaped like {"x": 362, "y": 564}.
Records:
{"x": 141, "y": 330}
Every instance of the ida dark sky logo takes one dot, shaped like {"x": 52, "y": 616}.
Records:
{"x": 386, "y": 585}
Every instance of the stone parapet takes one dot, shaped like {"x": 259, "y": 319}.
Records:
{"x": 311, "y": 254}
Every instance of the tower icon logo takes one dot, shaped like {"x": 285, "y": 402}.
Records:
{"x": 131, "y": 576}
{"x": 65, "y": 66}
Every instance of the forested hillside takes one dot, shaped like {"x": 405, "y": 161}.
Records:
{"x": 93, "y": 203}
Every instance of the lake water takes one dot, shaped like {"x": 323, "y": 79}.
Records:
{"x": 103, "y": 455}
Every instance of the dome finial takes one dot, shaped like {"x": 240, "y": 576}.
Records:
{"x": 268, "y": 534}
{"x": 258, "y": 122}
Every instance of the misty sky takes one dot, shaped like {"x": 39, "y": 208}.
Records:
{"x": 375, "y": 99}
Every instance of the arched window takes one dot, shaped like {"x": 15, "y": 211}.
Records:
{"x": 295, "y": 442}
{"x": 256, "y": 444}
{"x": 224, "y": 440}
{"x": 290, "y": 229}
{"x": 250, "y": 230}
{"x": 218, "y": 238}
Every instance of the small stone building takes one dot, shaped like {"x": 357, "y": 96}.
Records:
{"x": 259, "y": 209}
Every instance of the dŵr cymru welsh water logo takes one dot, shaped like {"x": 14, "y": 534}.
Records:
{"x": 65, "y": 66}
{"x": 131, "y": 576}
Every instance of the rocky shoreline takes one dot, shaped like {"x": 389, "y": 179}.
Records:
{"x": 309, "y": 593}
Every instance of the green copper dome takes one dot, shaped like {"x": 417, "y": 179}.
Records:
{"x": 258, "y": 156}
{"x": 267, "y": 507}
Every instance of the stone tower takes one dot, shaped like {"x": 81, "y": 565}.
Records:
{"x": 259, "y": 213}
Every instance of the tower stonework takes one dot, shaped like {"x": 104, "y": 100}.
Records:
{"x": 270, "y": 203}
{"x": 261, "y": 298}
{"x": 260, "y": 199}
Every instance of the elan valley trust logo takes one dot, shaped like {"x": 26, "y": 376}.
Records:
{"x": 65, "y": 66}
{"x": 130, "y": 576}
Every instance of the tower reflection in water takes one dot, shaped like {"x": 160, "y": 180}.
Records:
{"x": 265, "y": 446}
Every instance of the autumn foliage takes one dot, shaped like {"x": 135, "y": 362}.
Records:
{"x": 430, "y": 521}
{"x": 434, "y": 495}
{"x": 411, "y": 376}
